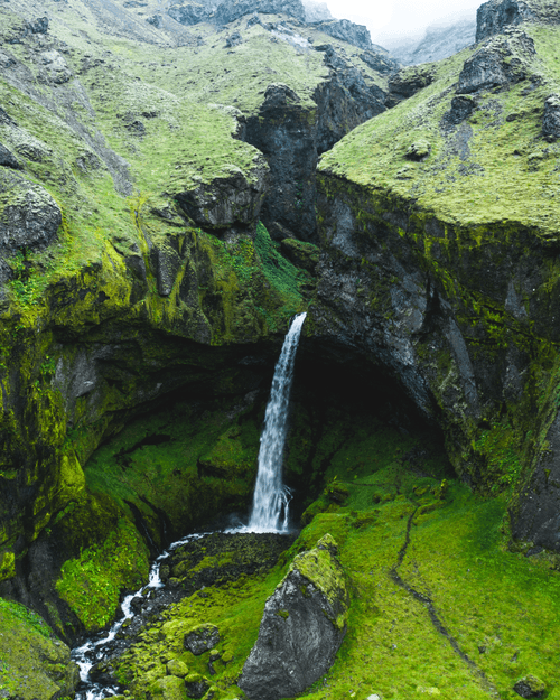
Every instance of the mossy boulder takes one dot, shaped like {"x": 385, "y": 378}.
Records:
{"x": 35, "y": 664}
{"x": 530, "y": 687}
{"x": 303, "y": 625}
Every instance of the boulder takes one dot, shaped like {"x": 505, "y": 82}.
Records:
{"x": 234, "y": 40}
{"x": 302, "y": 628}
{"x": 529, "y": 687}
{"x": 551, "y": 118}
{"x": 201, "y": 639}
{"x": 53, "y": 68}
{"x": 462, "y": 106}
{"x": 7, "y": 159}
{"x": 481, "y": 71}
{"x": 29, "y": 216}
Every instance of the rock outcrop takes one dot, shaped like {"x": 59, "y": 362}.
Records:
{"x": 292, "y": 137}
{"x": 234, "y": 198}
{"x": 344, "y": 29}
{"x": 230, "y": 10}
{"x": 303, "y": 625}
{"x": 190, "y": 13}
{"x": 494, "y": 16}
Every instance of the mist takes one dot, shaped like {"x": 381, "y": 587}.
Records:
{"x": 394, "y": 21}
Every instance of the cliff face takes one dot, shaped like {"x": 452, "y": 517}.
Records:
{"x": 132, "y": 264}
{"x": 440, "y": 251}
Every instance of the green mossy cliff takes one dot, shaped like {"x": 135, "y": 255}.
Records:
{"x": 439, "y": 226}
{"x": 134, "y": 270}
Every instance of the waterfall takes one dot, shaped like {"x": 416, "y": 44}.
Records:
{"x": 271, "y": 497}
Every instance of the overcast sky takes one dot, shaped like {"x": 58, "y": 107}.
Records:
{"x": 388, "y": 20}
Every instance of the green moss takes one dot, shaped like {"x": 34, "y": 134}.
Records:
{"x": 180, "y": 462}
{"x": 91, "y": 584}
{"x": 33, "y": 662}
{"x": 490, "y": 183}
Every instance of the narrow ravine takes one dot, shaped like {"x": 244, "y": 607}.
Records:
{"x": 433, "y": 613}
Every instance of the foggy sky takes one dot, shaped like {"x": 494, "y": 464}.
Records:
{"x": 389, "y": 20}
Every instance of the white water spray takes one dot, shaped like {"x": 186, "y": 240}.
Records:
{"x": 271, "y": 498}
{"x": 92, "y": 651}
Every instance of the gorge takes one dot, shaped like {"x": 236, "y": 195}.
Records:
{"x": 178, "y": 181}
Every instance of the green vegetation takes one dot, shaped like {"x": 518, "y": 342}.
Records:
{"x": 498, "y": 606}
{"x": 481, "y": 171}
{"x": 184, "y": 463}
{"x": 33, "y": 662}
{"x": 91, "y": 584}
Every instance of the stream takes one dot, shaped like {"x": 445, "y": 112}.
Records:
{"x": 97, "y": 648}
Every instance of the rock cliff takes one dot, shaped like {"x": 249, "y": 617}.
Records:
{"x": 134, "y": 267}
{"x": 439, "y": 245}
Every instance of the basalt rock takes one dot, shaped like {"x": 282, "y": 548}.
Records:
{"x": 355, "y": 34}
{"x": 482, "y": 71}
{"x": 494, "y": 16}
{"x": 7, "y": 159}
{"x": 303, "y": 625}
{"x": 292, "y": 139}
{"x": 407, "y": 83}
{"x": 551, "y": 118}
{"x": 29, "y": 215}
{"x": 229, "y": 199}
{"x": 230, "y": 10}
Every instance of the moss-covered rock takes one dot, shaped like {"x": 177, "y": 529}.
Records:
{"x": 303, "y": 625}
{"x": 33, "y": 662}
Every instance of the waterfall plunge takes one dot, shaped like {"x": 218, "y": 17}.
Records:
{"x": 271, "y": 497}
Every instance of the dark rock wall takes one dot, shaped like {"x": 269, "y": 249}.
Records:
{"x": 456, "y": 324}
{"x": 492, "y": 17}
{"x": 292, "y": 138}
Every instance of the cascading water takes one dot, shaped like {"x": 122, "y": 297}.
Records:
{"x": 91, "y": 652}
{"x": 271, "y": 498}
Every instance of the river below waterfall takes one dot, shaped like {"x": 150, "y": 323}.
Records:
{"x": 235, "y": 554}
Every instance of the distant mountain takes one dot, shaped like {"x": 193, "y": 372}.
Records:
{"x": 437, "y": 43}
{"x": 316, "y": 11}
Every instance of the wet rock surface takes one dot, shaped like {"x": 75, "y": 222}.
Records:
{"x": 303, "y": 625}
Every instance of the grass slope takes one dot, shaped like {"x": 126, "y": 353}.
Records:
{"x": 493, "y": 167}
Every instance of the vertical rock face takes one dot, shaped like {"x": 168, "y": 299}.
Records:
{"x": 492, "y": 17}
{"x": 303, "y": 625}
{"x": 230, "y": 10}
{"x": 292, "y": 137}
{"x": 356, "y": 34}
